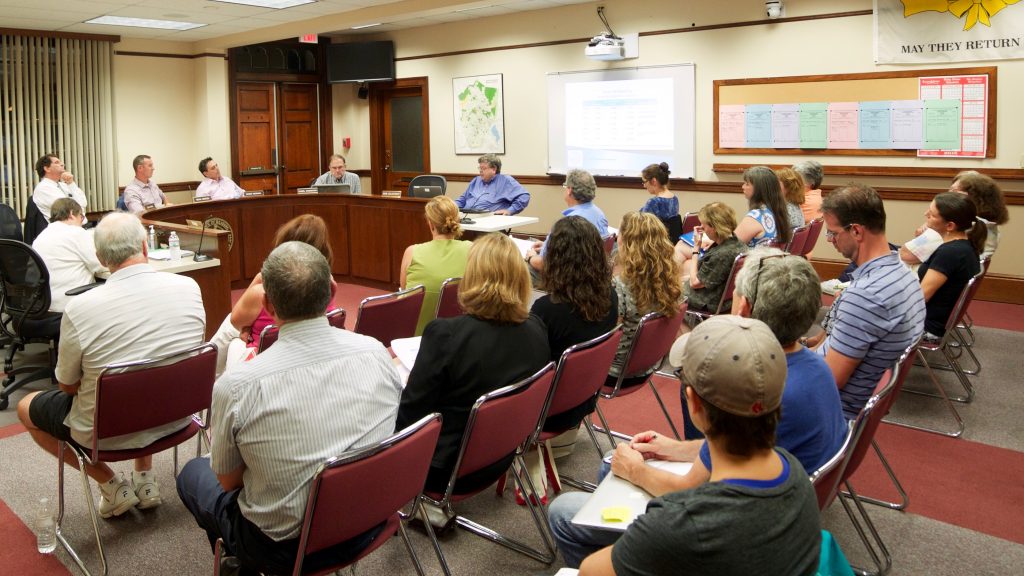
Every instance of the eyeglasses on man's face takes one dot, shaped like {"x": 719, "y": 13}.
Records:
{"x": 831, "y": 236}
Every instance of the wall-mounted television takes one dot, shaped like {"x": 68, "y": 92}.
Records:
{"x": 361, "y": 62}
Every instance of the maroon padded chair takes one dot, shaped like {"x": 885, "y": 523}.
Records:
{"x": 653, "y": 339}
{"x": 690, "y": 221}
{"x": 609, "y": 243}
{"x": 354, "y": 492}
{"x": 861, "y": 437}
{"x": 799, "y": 241}
{"x": 813, "y": 235}
{"x": 448, "y": 300}
{"x": 133, "y": 397}
{"x": 581, "y": 372}
{"x": 268, "y": 336}
{"x": 390, "y": 316}
{"x": 505, "y": 421}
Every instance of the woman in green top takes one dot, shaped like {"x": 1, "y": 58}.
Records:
{"x": 431, "y": 263}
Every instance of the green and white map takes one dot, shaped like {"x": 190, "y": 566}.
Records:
{"x": 479, "y": 114}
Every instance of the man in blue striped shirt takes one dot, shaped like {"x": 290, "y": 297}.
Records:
{"x": 882, "y": 312}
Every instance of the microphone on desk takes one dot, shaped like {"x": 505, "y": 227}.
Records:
{"x": 199, "y": 256}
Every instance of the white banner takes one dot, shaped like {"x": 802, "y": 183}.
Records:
{"x": 935, "y": 31}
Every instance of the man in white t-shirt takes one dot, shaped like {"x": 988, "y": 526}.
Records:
{"x": 68, "y": 251}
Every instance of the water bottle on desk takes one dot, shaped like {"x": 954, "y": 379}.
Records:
{"x": 46, "y": 530}
{"x": 152, "y": 238}
{"x": 174, "y": 245}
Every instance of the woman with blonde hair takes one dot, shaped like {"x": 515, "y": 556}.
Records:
{"x": 649, "y": 280}
{"x": 709, "y": 272}
{"x": 793, "y": 191}
{"x": 495, "y": 343}
{"x": 431, "y": 263}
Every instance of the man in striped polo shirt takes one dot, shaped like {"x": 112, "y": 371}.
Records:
{"x": 882, "y": 312}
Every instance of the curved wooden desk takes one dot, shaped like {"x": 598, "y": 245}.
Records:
{"x": 368, "y": 234}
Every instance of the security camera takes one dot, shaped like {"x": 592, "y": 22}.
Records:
{"x": 773, "y": 8}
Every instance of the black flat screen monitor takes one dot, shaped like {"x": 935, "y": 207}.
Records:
{"x": 361, "y": 62}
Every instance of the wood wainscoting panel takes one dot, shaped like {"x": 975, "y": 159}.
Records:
{"x": 259, "y": 224}
{"x": 336, "y": 218}
{"x": 370, "y": 242}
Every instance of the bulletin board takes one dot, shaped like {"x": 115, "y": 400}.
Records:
{"x": 812, "y": 94}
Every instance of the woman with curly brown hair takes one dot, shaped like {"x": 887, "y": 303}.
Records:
{"x": 649, "y": 280}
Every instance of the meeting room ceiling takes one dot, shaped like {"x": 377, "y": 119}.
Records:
{"x": 224, "y": 18}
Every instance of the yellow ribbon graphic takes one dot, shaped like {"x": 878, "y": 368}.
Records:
{"x": 976, "y": 10}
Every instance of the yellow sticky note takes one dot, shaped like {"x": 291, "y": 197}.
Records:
{"x": 615, "y": 513}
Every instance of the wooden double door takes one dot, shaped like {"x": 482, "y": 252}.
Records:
{"x": 278, "y": 135}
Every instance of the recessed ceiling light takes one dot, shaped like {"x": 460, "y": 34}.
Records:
{"x": 144, "y": 23}
{"x": 366, "y": 26}
{"x": 275, "y": 4}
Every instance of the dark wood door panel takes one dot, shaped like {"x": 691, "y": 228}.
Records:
{"x": 408, "y": 227}
{"x": 301, "y": 146}
{"x": 336, "y": 218}
{"x": 370, "y": 244}
{"x": 258, "y": 227}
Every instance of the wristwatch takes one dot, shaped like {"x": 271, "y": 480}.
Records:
{"x": 528, "y": 258}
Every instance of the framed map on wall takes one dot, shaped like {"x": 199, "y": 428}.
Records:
{"x": 479, "y": 114}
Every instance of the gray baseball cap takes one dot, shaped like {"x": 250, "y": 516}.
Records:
{"x": 735, "y": 364}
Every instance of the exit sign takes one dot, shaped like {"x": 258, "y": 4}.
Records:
{"x": 308, "y": 39}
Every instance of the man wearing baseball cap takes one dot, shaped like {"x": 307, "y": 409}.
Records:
{"x": 757, "y": 513}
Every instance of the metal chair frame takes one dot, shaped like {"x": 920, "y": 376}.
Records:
{"x": 675, "y": 322}
{"x": 204, "y": 353}
{"x": 798, "y": 240}
{"x": 543, "y": 377}
{"x": 444, "y": 308}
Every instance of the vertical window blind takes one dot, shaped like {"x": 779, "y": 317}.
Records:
{"x": 56, "y": 96}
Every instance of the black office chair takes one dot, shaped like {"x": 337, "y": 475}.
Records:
{"x": 10, "y": 225}
{"x": 436, "y": 180}
{"x": 25, "y": 302}
{"x": 35, "y": 222}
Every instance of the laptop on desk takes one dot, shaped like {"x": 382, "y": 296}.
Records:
{"x": 334, "y": 189}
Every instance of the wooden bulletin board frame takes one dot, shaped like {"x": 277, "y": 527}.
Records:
{"x": 890, "y": 85}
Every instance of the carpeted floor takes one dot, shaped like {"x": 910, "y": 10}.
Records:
{"x": 966, "y": 495}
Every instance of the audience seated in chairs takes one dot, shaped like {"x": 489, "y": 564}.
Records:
{"x": 767, "y": 221}
{"x": 316, "y": 393}
{"x": 793, "y": 191}
{"x": 580, "y": 305}
{"x": 709, "y": 271}
{"x": 662, "y": 203}
{"x": 161, "y": 312}
{"x": 237, "y": 339}
{"x": 649, "y": 281}
{"x": 811, "y": 173}
{"x": 757, "y": 497}
{"x": 433, "y": 262}
{"x": 495, "y": 343}
{"x": 580, "y": 191}
{"x": 68, "y": 250}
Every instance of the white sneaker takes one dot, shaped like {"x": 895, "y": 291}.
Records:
{"x": 146, "y": 490}
{"x": 121, "y": 499}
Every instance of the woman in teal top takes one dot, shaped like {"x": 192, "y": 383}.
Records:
{"x": 431, "y": 263}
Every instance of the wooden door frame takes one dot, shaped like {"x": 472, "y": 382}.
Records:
{"x": 379, "y": 91}
{"x": 326, "y": 123}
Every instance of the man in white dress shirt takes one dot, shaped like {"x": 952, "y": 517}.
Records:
{"x": 68, "y": 251}
{"x": 317, "y": 392}
{"x": 55, "y": 183}
{"x": 214, "y": 186}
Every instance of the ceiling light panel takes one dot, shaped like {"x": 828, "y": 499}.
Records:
{"x": 144, "y": 23}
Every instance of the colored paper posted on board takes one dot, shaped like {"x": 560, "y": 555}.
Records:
{"x": 785, "y": 125}
{"x": 732, "y": 126}
{"x": 814, "y": 125}
{"x": 842, "y": 124}
{"x": 942, "y": 124}
{"x": 907, "y": 131}
{"x": 873, "y": 125}
{"x": 759, "y": 125}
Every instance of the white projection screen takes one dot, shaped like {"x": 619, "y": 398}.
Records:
{"x": 615, "y": 122}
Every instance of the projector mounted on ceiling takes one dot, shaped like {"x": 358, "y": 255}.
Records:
{"x": 608, "y": 46}
{"x": 605, "y": 47}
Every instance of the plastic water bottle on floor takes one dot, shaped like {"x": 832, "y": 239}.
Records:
{"x": 46, "y": 530}
{"x": 174, "y": 245}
